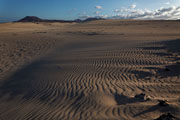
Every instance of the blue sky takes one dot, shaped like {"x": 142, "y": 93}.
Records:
{"x": 11, "y": 10}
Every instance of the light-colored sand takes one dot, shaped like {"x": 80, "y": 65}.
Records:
{"x": 89, "y": 71}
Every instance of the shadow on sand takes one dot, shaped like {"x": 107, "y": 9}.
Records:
{"x": 20, "y": 83}
{"x": 122, "y": 99}
{"x": 167, "y": 109}
{"x": 23, "y": 81}
{"x": 173, "y": 51}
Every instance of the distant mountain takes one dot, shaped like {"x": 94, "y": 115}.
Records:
{"x": 36, "y": 19}
{"x": 93, "y": 19}
{"x": 78, "y": 20}
{"x": 30, "y": 19}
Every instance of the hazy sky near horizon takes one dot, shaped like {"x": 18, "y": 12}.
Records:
{"x": 11, "y": 10}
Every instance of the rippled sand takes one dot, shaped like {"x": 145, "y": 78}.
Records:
{"x": 89, "y": 71}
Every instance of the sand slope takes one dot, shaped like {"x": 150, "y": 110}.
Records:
{"x": 90, "y": 71}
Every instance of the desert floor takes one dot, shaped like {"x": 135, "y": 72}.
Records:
{"x": 89, "y": 71}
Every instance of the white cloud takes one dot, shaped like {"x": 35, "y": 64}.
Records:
{"x": 97, "y": 12}
{"x": 116, "y": 10}
{"x": 166, "y": 13}
{"x": 97, "y": 16}
{"x": 84, "y": 17}
{"x": 167, "y": 3}
{"x": 162, "y": 13}
{"x": 98, "y": 7}
{"x": 133, "y": 6}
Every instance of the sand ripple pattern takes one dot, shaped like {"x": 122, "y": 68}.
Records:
{"x": 83, "y": 83}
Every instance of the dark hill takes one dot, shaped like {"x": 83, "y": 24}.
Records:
{"x": 93, "y": 19}
{"x": 30, "y": 19}
{"x": 36, "y": 19}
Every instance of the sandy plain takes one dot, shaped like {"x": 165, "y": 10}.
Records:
{"x": 89, "y": 71}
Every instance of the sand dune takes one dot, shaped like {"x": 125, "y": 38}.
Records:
{"x": 89, "y": 71}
